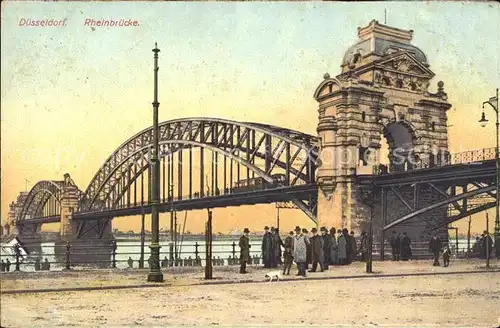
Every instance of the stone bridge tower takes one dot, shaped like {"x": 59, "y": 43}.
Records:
{"x": 382, "y": 92}
{"x": 69, "y": 204}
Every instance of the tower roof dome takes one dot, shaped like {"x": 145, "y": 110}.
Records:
{"x": 378, "y": 40}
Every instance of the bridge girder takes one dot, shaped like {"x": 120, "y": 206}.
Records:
{"x": 464, "y": 189}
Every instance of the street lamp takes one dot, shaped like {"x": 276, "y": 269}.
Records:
{"x": 369, "y": 260}
{"x": 493, "y": 102}
{"x": 155, "y": 274}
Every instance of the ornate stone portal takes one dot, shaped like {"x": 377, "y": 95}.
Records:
{"x": 381, "y": 92}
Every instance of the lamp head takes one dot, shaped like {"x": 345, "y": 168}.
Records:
{"x": 483, "y": 121}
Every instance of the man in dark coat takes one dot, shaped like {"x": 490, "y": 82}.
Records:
{"x": 446, "y": 255}
{"x": 348, "y": 246}
{"x": 497, "y": 246}
{"x": 333, "y": 247}
{"x": 363, "y": 247}
{"x": 277, "y": 243}
{"x": 435, "y": 246}
{"x": 309, "y": 249}
{"x": 395, "y": 246}
{"x": 267, "y": 242}
{"x": 354, "y": 247}
{"x": 487, "y": 243}
{"x": 398, "y": 246}
{"x": 288, "y": 253}
{"x": 317, "y": 251}
{"x": 244, "y": 250}
{"x": 405, "y": 250}
{"x": 327, "y": 244}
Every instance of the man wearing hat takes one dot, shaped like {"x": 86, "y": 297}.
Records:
{"x": 276, "y": 248}
{"x": 244, "y": 250}
{"x": 267, "y": 247}
{"x": 300, "y": 242}
{"x": 327, "y": 244}
{"x": 316, "y": 251}
{"x": 333, "y": 247}
{"x": 309, "y": 249}
{"x": 288, "y": 253}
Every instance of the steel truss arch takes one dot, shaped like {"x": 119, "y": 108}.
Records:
{"x": 294, "y": 152}
{"x": 38, "y": 196}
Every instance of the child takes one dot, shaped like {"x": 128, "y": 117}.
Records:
{"x": 446, "y": 255}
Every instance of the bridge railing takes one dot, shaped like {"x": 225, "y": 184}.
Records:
{"x": 438, "y": 160}
{"x": 127, "y": 255}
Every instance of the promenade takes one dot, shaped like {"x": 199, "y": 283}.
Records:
{"x": 397, "y": 294}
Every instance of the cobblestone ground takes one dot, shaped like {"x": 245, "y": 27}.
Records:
{"x": 465, "y": 299}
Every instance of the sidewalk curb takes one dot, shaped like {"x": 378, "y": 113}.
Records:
{"x": 77, "y": 289}
{"x": 364, "y": 276}
{"x": 249, "y": 281}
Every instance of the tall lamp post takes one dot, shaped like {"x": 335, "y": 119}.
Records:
{"x": 493, "y": 102}
{"x": 155, "y": 274}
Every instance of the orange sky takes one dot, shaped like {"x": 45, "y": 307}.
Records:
{"x": 70, "y": 96}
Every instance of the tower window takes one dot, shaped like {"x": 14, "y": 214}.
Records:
{"x": 399, "y": 84}
{"x": 356, "y": 57}
{"x": 363, "y": 116}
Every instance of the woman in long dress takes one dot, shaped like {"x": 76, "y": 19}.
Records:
{"x": 342, "y": 248}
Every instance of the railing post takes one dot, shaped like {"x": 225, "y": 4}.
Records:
{"x": 17, "y": 253}
{"x": 68, "y": 247}
{"x": 208, "y": 243}
{"x": 196, "y": 254}
{"x": 234, "y": 249}
{"x": 113, "y": 245}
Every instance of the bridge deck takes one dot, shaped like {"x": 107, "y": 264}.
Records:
{"x": 471, "y": 171}
{"x": 302, "y": 192}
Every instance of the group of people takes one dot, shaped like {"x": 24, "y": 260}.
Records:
{"x": 436, "y": 247}
{"x": 330, "y": 247}
{"x": 484, "y": 246}
{"x": 44, "y": 266}
{"x": 400, "y": 246}
{"x": 5, "y": 266}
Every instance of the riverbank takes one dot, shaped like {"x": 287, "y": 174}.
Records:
{"x": 421, "y": 295}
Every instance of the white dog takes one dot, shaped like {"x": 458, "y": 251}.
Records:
{"x": 273, "y": 274}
